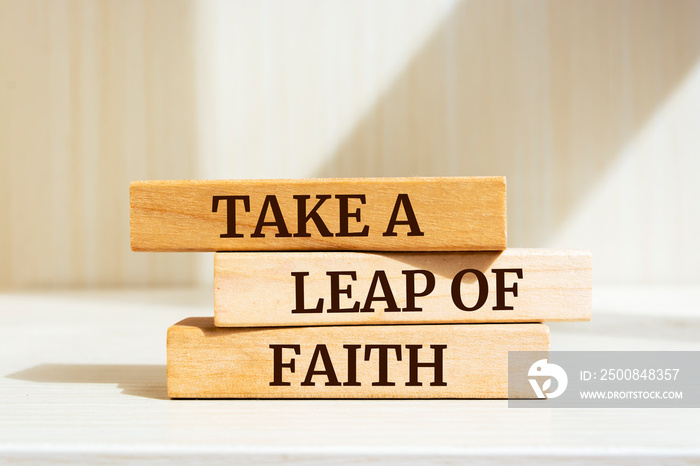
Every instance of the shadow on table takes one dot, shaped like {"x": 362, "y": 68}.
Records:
{"x": 147, "y": 381}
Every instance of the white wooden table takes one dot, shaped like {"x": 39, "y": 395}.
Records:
{"x": 82, "y": 379}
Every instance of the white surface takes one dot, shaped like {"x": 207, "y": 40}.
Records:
{"x": 83, "y": 380}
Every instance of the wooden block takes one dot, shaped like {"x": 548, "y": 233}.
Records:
{"x": 403, "y": 361}
{"x": 262, "y": 289}
{"x": 373, "y": 214}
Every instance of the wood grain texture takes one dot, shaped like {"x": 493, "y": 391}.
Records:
{"x": 205, "y": 361}
{"x": 460, "y": 213}
{"x": 589, "y": 108}
{"x": 92, "y": 95}
{"x": 258, "y": 289}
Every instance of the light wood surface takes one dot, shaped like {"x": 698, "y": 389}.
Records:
{"x": 431, "y": 214}
{"x": 589, "y": 107}
{"x": 83, "y": 381}
{"x": 462, "y": 361}
{"x": 92, "y": 95}
{"x": 259, "y": 289}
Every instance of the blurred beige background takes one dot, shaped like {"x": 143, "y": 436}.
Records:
{"x": 590, "y": 108}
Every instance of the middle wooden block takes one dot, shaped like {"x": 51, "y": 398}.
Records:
{"x": 261, "y": 289}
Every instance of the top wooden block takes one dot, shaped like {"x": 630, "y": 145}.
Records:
{"x": 370, "y": 214}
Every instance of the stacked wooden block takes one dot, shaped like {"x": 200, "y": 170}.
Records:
{"x": 356, "y": 288}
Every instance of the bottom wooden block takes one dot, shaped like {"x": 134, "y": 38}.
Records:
{"x": 399, "y": 361}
